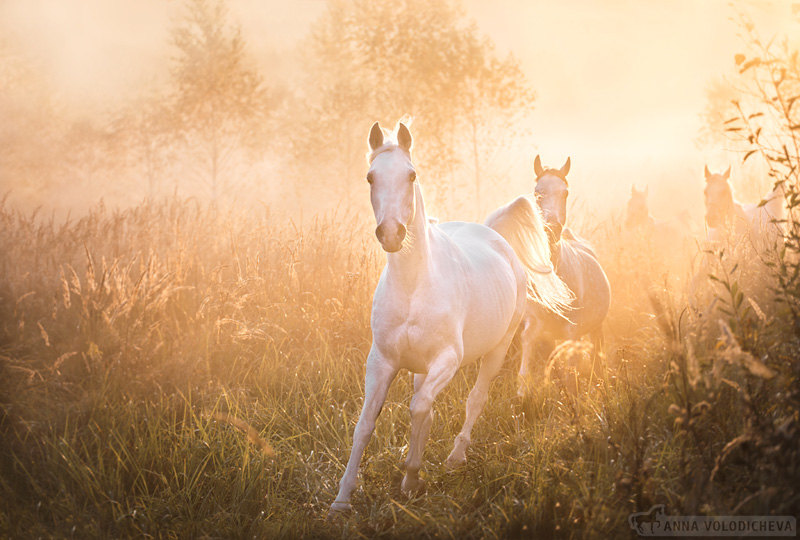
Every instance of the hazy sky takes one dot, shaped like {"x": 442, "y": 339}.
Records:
{"x": 620, "y": 83}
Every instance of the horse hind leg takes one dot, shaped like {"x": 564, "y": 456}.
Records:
{"x": 490, "y": 367}
{"x": 440, "y": 373}
{"x": 528, "y": 345}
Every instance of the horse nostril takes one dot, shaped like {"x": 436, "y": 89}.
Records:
{"x": 391, "y": 235}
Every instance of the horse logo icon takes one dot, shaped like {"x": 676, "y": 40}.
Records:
{"x": 648, "y": 523}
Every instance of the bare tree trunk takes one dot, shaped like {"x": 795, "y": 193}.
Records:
{"x": 214, "y": 167}
{"x": 477, "y": 164}
{"x": 151, "y": 170}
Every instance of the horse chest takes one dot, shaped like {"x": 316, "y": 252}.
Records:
{"x": 410, "y": 330}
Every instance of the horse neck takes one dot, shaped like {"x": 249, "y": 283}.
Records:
{"x": 735, "y": 219}
{"x": 555, "y": 253}
{"x": 555, "y": 247}
{"x": 737, "y": 214}
{"x": 733, "y": 211}
{"x": 407, "y": 266}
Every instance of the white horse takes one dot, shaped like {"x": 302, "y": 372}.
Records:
{"x": 450, "y": 294}
{"x": 637, "y": 214}
{"x": 673, "y": 238}
{"x": 755, "y": 222}
{"x": 572, "y": 260}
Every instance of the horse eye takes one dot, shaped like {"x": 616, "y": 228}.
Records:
{"x": 413, "y": 176}
{"x": 369, "y": 177}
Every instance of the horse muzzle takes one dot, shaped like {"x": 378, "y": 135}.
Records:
{"x": 391, "y": 236}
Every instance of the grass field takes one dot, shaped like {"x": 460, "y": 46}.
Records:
{"x": 178, "y": 371}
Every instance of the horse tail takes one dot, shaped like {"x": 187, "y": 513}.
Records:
{"x": 520, "y": 223}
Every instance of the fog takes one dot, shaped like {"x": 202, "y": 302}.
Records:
{"x": 620, "y": 85}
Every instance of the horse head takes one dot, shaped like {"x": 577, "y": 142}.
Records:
{"x": 637, "y": 214}
{"x": 391, "y": 178}
{"x": 718, "y": 198}
{"x": 551, "y": 196}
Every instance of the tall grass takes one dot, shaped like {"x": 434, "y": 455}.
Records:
{"x": 177, "y": 370}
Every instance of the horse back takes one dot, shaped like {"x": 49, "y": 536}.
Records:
{"x": 490, "y": 278}
{"x": 479, "y": 245}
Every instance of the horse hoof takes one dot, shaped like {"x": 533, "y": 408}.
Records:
{"x": 339, "y": 509}
{"x": 453, "y": 462}
{"x": 412, "y": 488}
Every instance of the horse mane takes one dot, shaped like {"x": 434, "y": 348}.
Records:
{"x": 520, "y": 222}
{"x": 385, "y": 147}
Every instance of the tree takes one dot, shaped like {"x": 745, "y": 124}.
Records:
{"x": 370, "y": 61}
{"x": 146, "y": 134}
{"x": 221, "y": 104}
{"x": 497, "y": 100}
{"x": 720, "y": 95}
{"x": 31, "y": 145}
{"x": 765, "y": 123}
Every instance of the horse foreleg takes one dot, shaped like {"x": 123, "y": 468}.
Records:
{"x": 528, "y": 335}
{"x": 439, "y": 374}
{"x": 378, "y": 378}
{"x": 490, "y": 367}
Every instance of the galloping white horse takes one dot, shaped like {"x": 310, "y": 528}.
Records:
{"x": 449, "y": 295}
{"x": 725, "y": 215}
{"x": 573, "y": 261}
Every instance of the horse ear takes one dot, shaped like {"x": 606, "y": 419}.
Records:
{"x": 727, "y": 173}
{"x": 375, "y": 136}
{"x": 565, "y": 168}
{"x": 404, "y": 137}
{"x": 537, "y": 166}
{"x": 708, "y": 173}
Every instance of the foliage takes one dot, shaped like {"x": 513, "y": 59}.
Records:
{"x": 146, "y": 131}
{"x": 221, "y": 103}
{"x": 208, "y": 124}
{"x": 151, "y": 360}
{"x": 157, "y": 353}
{"x": 30, "y": 145}
{"x": 767, "y": 124}
{"x": 370, "y": 61}
{"x": 751, "y": 361}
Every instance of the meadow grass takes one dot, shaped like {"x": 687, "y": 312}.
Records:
{"x": 176, "y": 370}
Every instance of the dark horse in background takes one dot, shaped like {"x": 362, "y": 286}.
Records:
{"x": 572, "y": 259}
